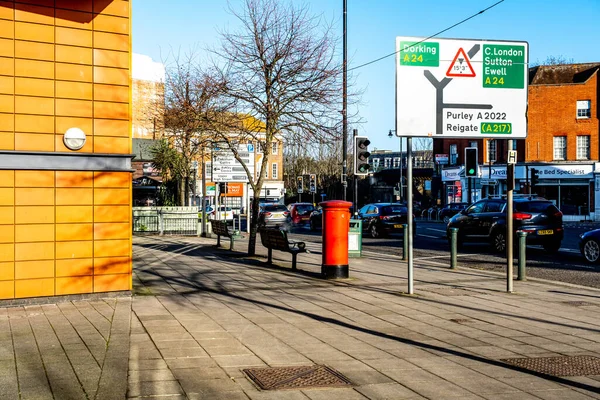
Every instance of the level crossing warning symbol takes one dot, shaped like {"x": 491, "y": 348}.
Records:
{"x": 460, "y": 66}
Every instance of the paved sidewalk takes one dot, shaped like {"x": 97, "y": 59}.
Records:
{"x": 200, "y": 315}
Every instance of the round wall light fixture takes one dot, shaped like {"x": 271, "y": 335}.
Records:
{"x": 74, "y": 138}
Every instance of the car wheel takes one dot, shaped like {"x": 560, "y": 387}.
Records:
{"x": 591, "y": 251}
{"x": 312, "y": 225}
{"x": 374, "y": 231}
{"x": 553, "y": 246}
{"x": 499, "y": 242}
{"x": 446, "y": 219}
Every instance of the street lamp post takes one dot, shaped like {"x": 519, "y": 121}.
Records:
{"x": 390, "y": 135}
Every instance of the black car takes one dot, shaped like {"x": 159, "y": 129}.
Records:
{"x": 485, "y": 221}
{"x": 380, "y": 219}
{"x": 589, "y": 245}
{"x": 450, "y": 210}
{"x": 316, "y": 219}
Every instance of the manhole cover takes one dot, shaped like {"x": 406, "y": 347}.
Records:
{"x": 579, "y": 303}
{"x": 297, "y": 377}
{"x": 461, "y": 320}
{"x": 451, "y": 291}
{"x": 559, "y": 366}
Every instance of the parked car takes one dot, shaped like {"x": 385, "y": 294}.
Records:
{"x": 316, "y": 219}
{"x": 450, "y": 210}
{"x": 485, "y": 221}
{"x": 271, "y": 214}
{"x": 589, "y": 245}
{"x": 223, "y": 212}
{"x": 300, "y": 213}
{"x": 380, "y": 219}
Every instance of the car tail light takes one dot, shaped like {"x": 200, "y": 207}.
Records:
{"x": 384, "y": 217}
{"x": 558, "y": 214}
{"x": 521, "y": 216}
{"x": 267, "y": 214}
{"x": 286, "y": 213}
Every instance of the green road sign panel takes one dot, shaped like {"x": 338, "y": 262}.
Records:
{"x": 503, "y": 66}
{"x": 420, "y": 55}
{"x": 499, "y": 128}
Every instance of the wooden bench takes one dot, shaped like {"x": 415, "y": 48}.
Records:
{"x": 220, "y": 228}
{"x": 277, "y": 239}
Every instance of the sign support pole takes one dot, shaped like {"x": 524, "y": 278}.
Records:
{"x": 510, "y": 176}
{"x": 409, "y": 202}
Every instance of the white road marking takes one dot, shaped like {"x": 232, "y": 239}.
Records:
{"x": 429, "y": 236}
{"x": 437, "y": 230}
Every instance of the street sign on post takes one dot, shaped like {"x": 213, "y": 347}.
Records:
{"x": 455, "y": 88}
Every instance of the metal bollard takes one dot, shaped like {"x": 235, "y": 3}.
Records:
{"x": 521, "y": 274}
{"x": 453, "y": 247}
{"x": 405, "y": 241}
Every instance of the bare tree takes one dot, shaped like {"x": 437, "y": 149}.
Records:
{"x": 281, "y": 80}
{"x": 553, "y": 60}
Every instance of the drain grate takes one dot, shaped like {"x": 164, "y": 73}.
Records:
{"x": 579, "y": 303}
{"x": 313, "y": 376}
{"x": 559, "y": 366}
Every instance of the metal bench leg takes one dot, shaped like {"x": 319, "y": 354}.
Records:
{"x": 270, "y": 260}
{"x": 218, "y": 240}
{"x": 231, "y": 243}
{"x": 294, "y": 261}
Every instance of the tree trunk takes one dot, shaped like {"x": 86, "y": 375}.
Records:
{"x": 253, "y": 225}
{"x": 181, "y": 195}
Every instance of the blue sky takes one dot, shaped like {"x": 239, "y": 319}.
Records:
{"x": 552, "y": 28}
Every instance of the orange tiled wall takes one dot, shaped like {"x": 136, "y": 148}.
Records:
{"x": 64, "y": 232}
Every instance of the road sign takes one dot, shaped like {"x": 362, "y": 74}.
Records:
{"x": 441, "y": 159}
{"x": 512, "y": 157}
{"x": 225, "y": 168}
{"x": 455, "y": 88}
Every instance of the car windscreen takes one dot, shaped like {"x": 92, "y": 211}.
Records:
{"x": 275, "y": 208}
{"x": 393, "y": 210}
{"x": 536, "y": 207}
{"x": 304, "y": 208}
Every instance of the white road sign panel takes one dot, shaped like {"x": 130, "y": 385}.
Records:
{"x": 456, "y": 88}
{"x": 225, "y": 168}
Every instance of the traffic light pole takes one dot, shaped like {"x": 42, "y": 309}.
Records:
{"x": 354, "y": 135}
{"x": 410, "y": 218}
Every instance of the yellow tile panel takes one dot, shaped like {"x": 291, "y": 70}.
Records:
{"x": 7, "y": 85}
{"x": 118, "y": 8}
{"x": 34, "y": 105}
{"x": 73, "y": 72}
{"x": 34, "y": 233}
{"x": 7, "y": 121}
{"x": 79, "y": 249}
{"x": 73, "y": 19}
{"x": 34, "y": 196}
{"x": 111, "y": 41}
{"x": 112, "y": 230}
{"x": 74, "y": 285}
{"x": 7, "y": 233}
{"x": 7, "y": 141}
{"x": 111, "y": 24}
{"x": 7, "y": 288}
{"x": 118, "y": 94}
{"x": 111, "y": 58}
{"x": 73, "y": 37}
{"x": 111, "y": 213}
{"x": 37, "y": 179}
{"x": 111, "y": 127}
{"x": 7, "y": 66}
{"x": 7, "y": 48}
{"x": 34, "y": 269}
{"x": 80, "y": 5}
{"x": 34, "y": 50}
{"x": 111, "y": 76}
{"x": 35, "y": 14}
{"x": 73, "y": 108}
{"x": 34, "y": 87}
{"x": 69, "y": 214}
{"x": 7, "y": 10}
{"x": 112, "y": 248}
{"x": 74, "y": 90}
{"x": 7, "y": 271}
{"x": 7, "y": 178}
{"x": 7, "y": 215}
{"x": 71, "y": 232}
{"x": 112, "y": 179}
{"x": 7, "y": 252}
{"x": 112, "y": 283}
{"x": 74, "y": 267}
{"x": 111, "y": 110}
{"x": 34, "y": 215}
{"x": 7, "y": 29}
{"x": 74, "y": 55}
{"x": 34, "y": 288}
{"x": 34, "y": 142}
{"x": 112, "y": 265}
{"x": 34, "y": 69}
{"x": 7, "y": 103}
{"x": 115, "y": 145}
{"x": 74, "y": 196}
{"x": 70, "y": 179}
{"x": 111, "y": 196}
{"x": 65, "y": 123}
{"x": 7, "y": 197}
{"x": 34, "y": 251}
{"x": 34, "y": 123}
{"x": 34, "y": 32}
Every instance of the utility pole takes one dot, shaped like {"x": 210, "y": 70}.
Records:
{"x": 345, "y": 105}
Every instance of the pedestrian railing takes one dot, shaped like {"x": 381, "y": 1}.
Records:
{"x": 166, "y": 221}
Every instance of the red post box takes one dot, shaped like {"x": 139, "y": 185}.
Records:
{"x": 336, "y": 223}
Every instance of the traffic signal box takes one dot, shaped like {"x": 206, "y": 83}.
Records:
{"x": 361, "y": 155}
{"x": 312, "y": 183}
{"x": 300, "y": 184}
{"x": 535, "y": 177}
{"x": 471, "y": 164}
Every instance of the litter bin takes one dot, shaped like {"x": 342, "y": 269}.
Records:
{"x": 336, "y": 217}
{"x": 355, "y": 238}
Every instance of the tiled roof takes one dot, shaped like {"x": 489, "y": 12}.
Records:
{"x": 561, "y": 74}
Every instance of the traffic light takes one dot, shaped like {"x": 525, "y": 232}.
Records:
{"x": 300, "y": 184}
{"x": 535, "y": 177}
{"x": 361, "y": 155}
{"x": 312, "y": 183}
{"x": 222, "y": 188}
{"x": 471, "y": 165}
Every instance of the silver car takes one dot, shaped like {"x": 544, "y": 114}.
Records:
{"x": 273, "y": 215}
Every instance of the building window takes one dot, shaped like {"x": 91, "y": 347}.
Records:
{"x": 560, "y": 147}
{"x": 387, "y": 162}
{"x": 396, "y": 162}
{"x": 375, "y": 162}
{"x": 274, "y": 148}
{"x": 491, "y": 151}
{"x": 473, "y": 144}
{"x": 584, "y": 109}
{"x": 583, "y": 147}
{"x": 274, "y": 171}
{"x": 453, "y": 154}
